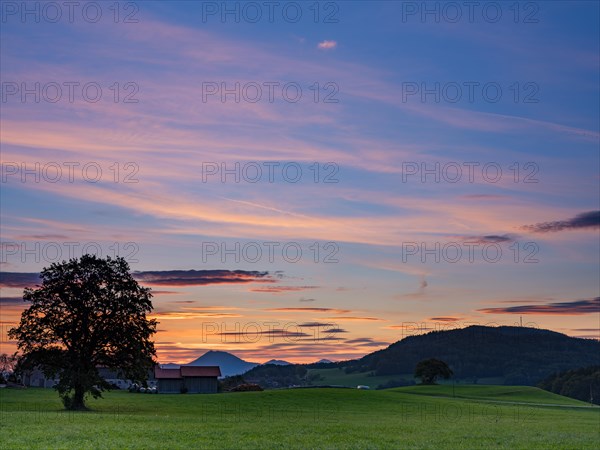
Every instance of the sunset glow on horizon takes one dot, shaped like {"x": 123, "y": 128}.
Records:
{"x": 313, "y": 189}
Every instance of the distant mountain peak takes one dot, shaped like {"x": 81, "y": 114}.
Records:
{"x": 278, "y": 362}
{"x": 229, "y": 363}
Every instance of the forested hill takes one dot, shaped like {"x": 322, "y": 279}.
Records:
{"x": 519, "y": 354}
{"x": 582, "y": 384}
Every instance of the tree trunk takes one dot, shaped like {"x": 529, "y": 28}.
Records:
{"x": 77, "y": 402}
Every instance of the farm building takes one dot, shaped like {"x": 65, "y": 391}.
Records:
{"x": 191, "y": 379}
{"x": 112, "y": 376}
{"x": 36, "y": 378}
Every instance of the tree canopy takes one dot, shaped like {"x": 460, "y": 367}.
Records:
{"x": 87, "y": 313}
{"x": 431, "y": 369}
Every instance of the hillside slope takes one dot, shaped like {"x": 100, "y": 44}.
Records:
{"x": 522, "y": 356}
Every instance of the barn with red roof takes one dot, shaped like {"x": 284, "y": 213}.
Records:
{"x": 187, "y": 379}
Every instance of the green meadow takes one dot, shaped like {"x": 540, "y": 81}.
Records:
{"x": 337, "y": 377}
{"x": 411, "y": 417}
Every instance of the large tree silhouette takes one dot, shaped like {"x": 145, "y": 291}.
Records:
{"x": 87, "y": 313}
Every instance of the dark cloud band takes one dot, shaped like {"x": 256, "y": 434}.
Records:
{"x": 158, "y": 278}
{"x": 589, "y": 219}
{"x": 578, "y": 307}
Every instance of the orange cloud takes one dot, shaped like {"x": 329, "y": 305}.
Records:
{"x": 357, "y": 319}
{"x": 192, "y": 315}
{"x": 279, "y": 289}
{"x": 317, "y": 310}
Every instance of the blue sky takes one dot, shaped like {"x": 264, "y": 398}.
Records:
{"x": 166, "y": 212}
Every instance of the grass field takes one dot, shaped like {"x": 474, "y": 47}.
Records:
{"x": 516, "y": 394}
{"x": 338, "y": 377}
{"x": 411, "y": 417}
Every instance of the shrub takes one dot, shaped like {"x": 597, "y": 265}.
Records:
{"x": 228, "y": 383}
{"x": 246, "y": 387}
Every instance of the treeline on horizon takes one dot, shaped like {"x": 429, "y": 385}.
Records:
{"x": 270, "y": 376}
{"x": 582, "y": 384}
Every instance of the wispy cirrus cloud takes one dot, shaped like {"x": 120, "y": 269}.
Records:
{"x": 485, "y": 197}
{"x": 445, "y": 319}
{"x": 409, "y": 327}
{"x": 280, "y": 289}
{"x": 489, "y": 238}
{"x": 366, "y": 342}
{"x": 189, "y": 315}
{"x": 356, "y": 318}
{"x": 322, "y": 339}
{"x": 574, "y": 308}
{"x": 273, "y": 332}
{"x": 501, "y": 123}
{"x": 314, "y": 310}
{"x": 586, "y": 333}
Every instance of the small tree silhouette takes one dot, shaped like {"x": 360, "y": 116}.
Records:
{"x": 429, "y": 370}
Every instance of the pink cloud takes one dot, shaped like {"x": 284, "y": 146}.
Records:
{"x": 327, "y": 45}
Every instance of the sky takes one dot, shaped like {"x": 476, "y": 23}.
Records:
{"x": 307, "y": 180}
